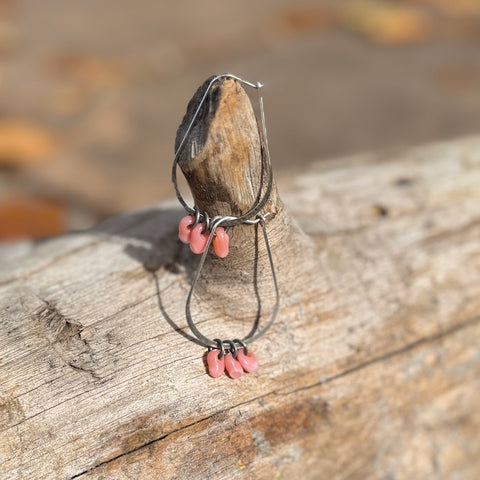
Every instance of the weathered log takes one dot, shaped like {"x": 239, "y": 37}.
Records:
{"x": 372, "y": 369}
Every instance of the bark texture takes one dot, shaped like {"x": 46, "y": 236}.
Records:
{"x": 372, "y": 369}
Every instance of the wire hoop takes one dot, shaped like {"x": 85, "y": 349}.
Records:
{"x": 253, "y": 335}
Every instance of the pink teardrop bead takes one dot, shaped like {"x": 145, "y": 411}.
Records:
{"x": 216, "y": 366}
{"x": 249, "y": 361}
{"x": 198, "y": 241}
{"x": 183, "y": 228}
{"x": 233, "y": 367}
{"x": 221, "y": 242}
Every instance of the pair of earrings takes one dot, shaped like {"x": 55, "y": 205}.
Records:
{"x": 235, "y": 361}
{"x": 197, "y": 236}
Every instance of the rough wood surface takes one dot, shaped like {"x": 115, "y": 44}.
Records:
{"x": 371, "y": 371}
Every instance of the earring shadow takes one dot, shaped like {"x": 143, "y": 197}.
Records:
{"x": 167, "y": 317}
{"x": 152, "y": 240}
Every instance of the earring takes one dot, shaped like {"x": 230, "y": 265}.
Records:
{"x": 200, "y": 231}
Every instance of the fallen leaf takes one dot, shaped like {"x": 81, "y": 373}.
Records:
{"x": 31, "y": 218}
{"x": 89, "y": 71}
{"x": 305, "y": 18}
{"x": 24, "y": 144}
{"x": 385, "y": 23}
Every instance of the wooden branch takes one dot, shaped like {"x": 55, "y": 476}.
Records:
{"x": 221, "y": 157}
{"x": 222, "y": 162}
{"x": 371, "y": 371}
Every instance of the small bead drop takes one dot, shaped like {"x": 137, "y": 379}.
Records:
{"x": 221, "y": 242}
{"x": 184, "y": 229}
{"x": 233, "y": 367}
{"x": 198, "y": 240}
{"x": 216, "y": 365}
{"x": 249, "y": 361}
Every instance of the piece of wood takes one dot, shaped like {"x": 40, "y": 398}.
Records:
{"x": 221, "y": 157}
{"x": 222, "y": 162}
{"x": 372, "y": 369}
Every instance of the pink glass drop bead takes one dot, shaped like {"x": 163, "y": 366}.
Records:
{"x": 233, "y": 367}
{"x": 249, "y": 361}
{"x": 221, "y": 242}
{"x": 198, "y": 241}
{"x": 216, "y": 366}
{"x": 183, "y": 228}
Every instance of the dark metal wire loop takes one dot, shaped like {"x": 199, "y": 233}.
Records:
{"x": 242, "y": 344}
{"x": 220, "y": 347}
{"x": 252, "y": 336}
{"x": 197, "y": 217}
{"x": 207, "y": 222}
{"x": 229, "y": 346}
{"x": 233, "y": 348}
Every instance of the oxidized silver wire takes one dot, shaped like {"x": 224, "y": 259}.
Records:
{"x": 211, "y": 224}
{"x": 207, "y": 342}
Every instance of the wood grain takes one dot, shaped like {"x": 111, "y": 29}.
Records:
{"x": 371, "y": 371}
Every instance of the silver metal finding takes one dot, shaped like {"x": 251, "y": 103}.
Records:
{"x": 208, "y": 223}
{"x": 198, "y": 216}
{"x": 233, "y": 348}
{"x": 242, "y": 344}
{"x": 220, "y": 347}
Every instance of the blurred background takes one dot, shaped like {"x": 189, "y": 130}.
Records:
{"x": 92, "y": 91}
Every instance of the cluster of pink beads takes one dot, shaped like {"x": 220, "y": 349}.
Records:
{"x": 217, "y": 363}
{"x": 198, "y": 238}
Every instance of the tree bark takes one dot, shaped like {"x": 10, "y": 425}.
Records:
{"x": 371, "y": 370}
